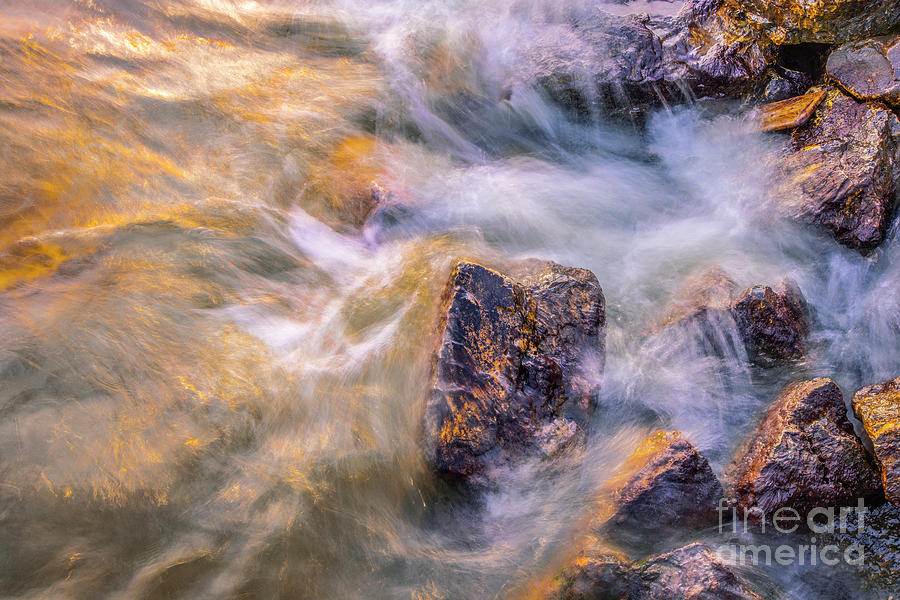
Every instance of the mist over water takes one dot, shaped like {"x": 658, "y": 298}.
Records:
{"x": 213, "y": 372}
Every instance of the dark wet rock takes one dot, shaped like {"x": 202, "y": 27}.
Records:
{"x": 805, "y": 454}
{"x": 516, "y": 368}
{"x": 878, "y": 408}
{"x": 781, "y": 84}
{"x": 868, "y": 70}
{"x": 614, "y": 64}
{"x": 874, "y": 532}
{"x": 825, "y": 21}
{"x": 772, "y": 323}
{"x": 592, "y": 576}
{"x": 843, "y": 167}
{"x": 666, "y": 483}
{"x": 692, "y": 572}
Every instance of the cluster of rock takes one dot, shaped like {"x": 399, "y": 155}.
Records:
{"x": 515, "y": 380}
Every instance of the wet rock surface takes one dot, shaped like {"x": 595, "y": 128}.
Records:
{"x": 692, "y": 572}
{"x": 805, "y": 454}
{"x": 625, "y": 64}
{"x": 666, "y": 483}
{"x": 825, "y": 21}
{"x": 868, "y": 70}
{"x": 771, "y": 323}
{"x": 878, "y": 408}
{"x": 516, "y": 365}
{"x": 789, "y": 113}
{"x": 877, "y": 533}
{"x": 843, "y": 168}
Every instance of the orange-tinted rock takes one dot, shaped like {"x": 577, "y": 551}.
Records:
{"x": 516, "y": 367}
{"x": 805, "y": 454}
{"x": 843, "y": 168}
{"x": 666, "y": 483}
{"x": 789, "y": 113}
{"x": 878, "y": 407}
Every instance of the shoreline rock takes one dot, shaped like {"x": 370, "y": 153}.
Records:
{"x": 868, "y": 70}
{"x": 515, "y": 369}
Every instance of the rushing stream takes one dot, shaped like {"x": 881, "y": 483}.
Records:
{"x": 213, "y": 380}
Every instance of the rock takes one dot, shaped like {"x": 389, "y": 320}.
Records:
{"x": 780, "y": 84}
{"x": 516, "y": 365}
{"x": 805, "y": 454}
{"x": 692, "y": 572}
{"x": 665, "y": 484}
{"x": 843, "y": 168}
{"x": 772, "y": 324}
{"x": 592, "y": 576}
{"x": 878, "y": 408}
{"x": 822, "y": 21}
{"x": 868, "y": 70}
{"x": 879, "y": 540}
{"x": 790, "y": 113}
{"x": 618, "y": 65}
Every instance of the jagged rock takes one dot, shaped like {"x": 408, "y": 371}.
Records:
{"x": 868, "y": 70}
{"x": 772, "y": 324}
{"x": 692, "y": 572}
{"x": 823, "y": 21}
{"x": 666, "y": 483}
{"x": 805, "y": 454}
{"x": 843, "y": 167}
{"x": 877, "y": 533}
{"x": 625, "y": 64}
{"x": 789, "y": 113}
{"x": 878, "y": 408}
{"x": 515, "y": 366}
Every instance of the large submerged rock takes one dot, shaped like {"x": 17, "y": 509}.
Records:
{"x": 843, "y": 167}
{"x": 805, "y": 454}
{"x": 517, "y": 364}
{"x": 693, "y": 572}
{"x": 878, "y": 407}
{"x": 665, "y": 484}
{"x": 868, "y": 70}
{"x": 771, "y": 323}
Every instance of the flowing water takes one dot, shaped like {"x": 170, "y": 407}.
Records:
{"x": 213, "y": 379}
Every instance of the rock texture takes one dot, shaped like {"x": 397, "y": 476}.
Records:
{"x": 692, "y": 572}
{"x": 666, "y": 483}
{"x": 516, "y": 365}
{"x": 878, "y": 407}
{"x": 823, "y": 21}
{"x": 805, "y": 454}
{"x": 772, "y": 323}
{"x": 868, "y": 70}
{"x": 624, "y": 64}
{"x": 843, "y": 167}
